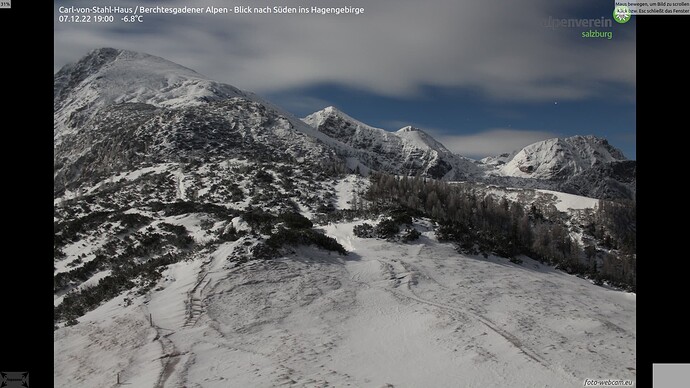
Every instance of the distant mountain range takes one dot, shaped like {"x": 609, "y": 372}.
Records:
{"x": 117, "y": 109}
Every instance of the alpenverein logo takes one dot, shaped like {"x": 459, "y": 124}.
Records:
{"x": 621, "y": 14}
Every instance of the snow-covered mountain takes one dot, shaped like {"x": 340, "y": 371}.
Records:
{"x": 583, "y": 165}
{"x": 117, "y": 110}
{"x": 109, "y": 76}
{"x": 560, "y": 158}
{"x": 408, "y": 151}
{"x": 553, "y": 164}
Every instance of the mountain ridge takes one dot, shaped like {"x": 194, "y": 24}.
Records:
{"x": 559, "y": 158}
{"x": 408, "y": 151}
{"x": 104, "y": 81}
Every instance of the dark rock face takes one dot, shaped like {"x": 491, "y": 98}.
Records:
{"x": 614, "y": 180}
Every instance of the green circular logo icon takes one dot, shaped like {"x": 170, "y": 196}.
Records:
{"x": 621, "y": 14}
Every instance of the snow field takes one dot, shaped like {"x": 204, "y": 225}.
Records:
{"x": 407, "y": 315}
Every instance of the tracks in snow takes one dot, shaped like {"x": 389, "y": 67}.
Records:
{"x": 171, "y": 355}
{"x": 194, "y": 309}
{"x": 403, "y": 277}
{"x": 194, "y": 304}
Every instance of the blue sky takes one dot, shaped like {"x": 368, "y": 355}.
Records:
{"x": 482, "y": 78}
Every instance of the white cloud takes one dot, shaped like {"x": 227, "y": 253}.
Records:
{"x": 396, "y": 48}
{"x": 491, "y": 142}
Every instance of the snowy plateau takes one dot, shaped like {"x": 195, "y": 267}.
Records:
{"x": 205, "y": 237}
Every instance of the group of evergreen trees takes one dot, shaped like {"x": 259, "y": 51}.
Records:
{"x": 479, "y": 222}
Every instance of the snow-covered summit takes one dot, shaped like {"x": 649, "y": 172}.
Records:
{"x": 559, "y": 158}
{"x": 407, "y": 151}
{"x": 128, "y": 76}
{"x": 343, "y": 127}
{"x": 347, "y": 129}
{"x": 106, "y": 76}
{"x": 420, "y": 138}
{"x": 117, "y": 110}
{"x": 319, "y": 117}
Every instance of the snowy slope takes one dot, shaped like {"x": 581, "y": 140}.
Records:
{"x": 388, "y": 314}
{"x": 354, "y": 132}
{"x": 408, "y": 151}
{"x": 138, "y": 106}
{"x": 565, "y": 202}
{"x": 560, "y": 158}
{"x": 118, "y": 111}
{"x": 107, "y": 76}
{"x": 416, "y": 138}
